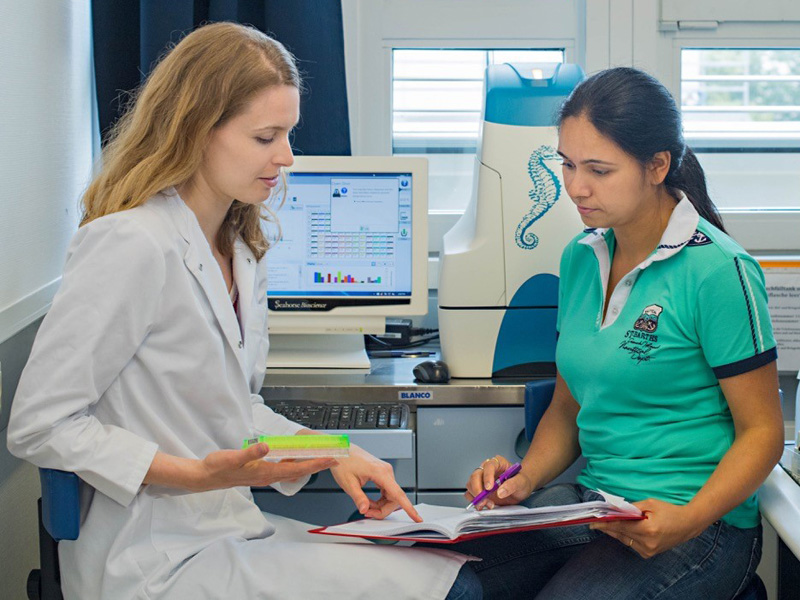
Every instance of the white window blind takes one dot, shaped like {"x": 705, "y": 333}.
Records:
{"x": 437, "y": 97}
{"x": 741, "y": 96}
{"x": 741, "y": 113}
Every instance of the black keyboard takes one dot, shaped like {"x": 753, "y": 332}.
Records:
{"x": 317, "y": 415}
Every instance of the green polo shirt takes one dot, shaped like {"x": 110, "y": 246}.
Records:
{"x": 653, "y": 420}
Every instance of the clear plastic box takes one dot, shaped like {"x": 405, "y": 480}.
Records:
{"x": 302, "y": 446}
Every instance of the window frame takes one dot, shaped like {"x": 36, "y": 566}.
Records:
{"x": 649, "y": 34}
{"x": 373, "y": 29}
{"x": 595, "y": 34}
{"x": 761, "y": 230}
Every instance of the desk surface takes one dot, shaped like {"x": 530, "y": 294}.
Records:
{"x": 387, "y": 380}
{"x": 779, "y": 499}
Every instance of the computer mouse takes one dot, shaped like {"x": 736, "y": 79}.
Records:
{"x": 432, "y": 371}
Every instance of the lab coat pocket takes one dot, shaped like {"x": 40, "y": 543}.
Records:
{"x": 183, "y": 524}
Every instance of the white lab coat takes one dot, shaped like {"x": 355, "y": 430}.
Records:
{"x": 141, "y": 351}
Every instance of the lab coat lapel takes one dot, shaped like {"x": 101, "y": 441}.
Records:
{"x": 244, "y": 273}
{"x": 202, "y": 264}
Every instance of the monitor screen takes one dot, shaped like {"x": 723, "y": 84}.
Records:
{"x": 346, "y": 240}
{"x": 353, "y": 250}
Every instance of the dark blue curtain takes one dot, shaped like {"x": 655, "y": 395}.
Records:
{"x": 130, "y": 35}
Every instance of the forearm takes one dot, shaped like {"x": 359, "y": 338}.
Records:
{"x": 739, "y": 474}
{"x": 175, "y": 472}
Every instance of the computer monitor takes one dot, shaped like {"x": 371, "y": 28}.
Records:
{"x": 353, "y": 251}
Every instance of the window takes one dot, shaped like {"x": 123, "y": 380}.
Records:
{"x": 437, "y": 97}
{"x": 741, "y": 113}
{"x": 746, "y": 96}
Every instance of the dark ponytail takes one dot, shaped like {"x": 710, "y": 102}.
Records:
{"x": 636, "y": 112}
{"x": 689, "y": 178}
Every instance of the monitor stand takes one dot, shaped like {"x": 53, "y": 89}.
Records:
{"x": 317, "y": 353}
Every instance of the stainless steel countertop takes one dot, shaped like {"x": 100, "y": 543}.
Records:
{"x": 385, "y": 382}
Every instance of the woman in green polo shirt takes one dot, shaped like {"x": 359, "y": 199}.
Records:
{"x": 667, "y": 380}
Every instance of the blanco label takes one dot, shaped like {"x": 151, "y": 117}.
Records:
{"x": 415, "y": 395}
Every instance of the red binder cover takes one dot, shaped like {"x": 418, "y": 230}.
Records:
{"x": 480, "y": 534}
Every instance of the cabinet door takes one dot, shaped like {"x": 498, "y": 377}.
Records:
{"x": 314, "y": 508}
{"x": 453, "y": 441}
{"x": 404, "y": 474}
{"x": 395, "y": 447}
{"x": 455, "y": 499}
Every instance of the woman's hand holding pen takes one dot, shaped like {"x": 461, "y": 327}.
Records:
{"x": 353, "y": 472}
{"x": 512, "y": 491}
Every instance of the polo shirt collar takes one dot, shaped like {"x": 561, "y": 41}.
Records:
{"x": 681, "y": 227}
{"x": 680, "y": 230}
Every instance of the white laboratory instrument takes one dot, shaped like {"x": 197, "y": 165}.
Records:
{"x": 498, "y": 282}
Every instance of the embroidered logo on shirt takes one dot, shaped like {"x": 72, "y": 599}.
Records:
{"x": 648, "y": 321}
{"x": 699, "y": 239}
{"x": 640, "y": 341}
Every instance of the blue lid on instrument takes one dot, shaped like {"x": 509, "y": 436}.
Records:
{"x": 528, "y": 93}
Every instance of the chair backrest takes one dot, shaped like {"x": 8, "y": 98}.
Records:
{"x": 61, "y": 514}
{"x": 538, "y": 395}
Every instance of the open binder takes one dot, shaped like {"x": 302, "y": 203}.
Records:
{"x": 448, "y": 525}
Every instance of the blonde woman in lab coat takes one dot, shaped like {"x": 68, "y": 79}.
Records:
{"x": 146, "y": 371}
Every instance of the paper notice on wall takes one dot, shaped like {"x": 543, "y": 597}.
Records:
{"x": 783, "y": 290}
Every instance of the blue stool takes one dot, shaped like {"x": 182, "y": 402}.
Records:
{"x": 538, "y": 395}
{"x": 59, "y": 519}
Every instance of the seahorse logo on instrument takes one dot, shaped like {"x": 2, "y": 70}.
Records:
{"x": 545, "y": 193}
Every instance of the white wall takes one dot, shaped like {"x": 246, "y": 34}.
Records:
{"x": 45, "y": 148}
{"x": 46, "y": 136}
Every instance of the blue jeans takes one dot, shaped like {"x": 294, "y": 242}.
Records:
{"x": 467, "y": 586}
{"x": 575, "y": 563}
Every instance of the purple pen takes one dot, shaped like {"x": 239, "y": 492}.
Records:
{"x": 508, "y": 474}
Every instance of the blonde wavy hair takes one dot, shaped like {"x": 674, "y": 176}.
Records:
{"x": 206, "y": 79}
